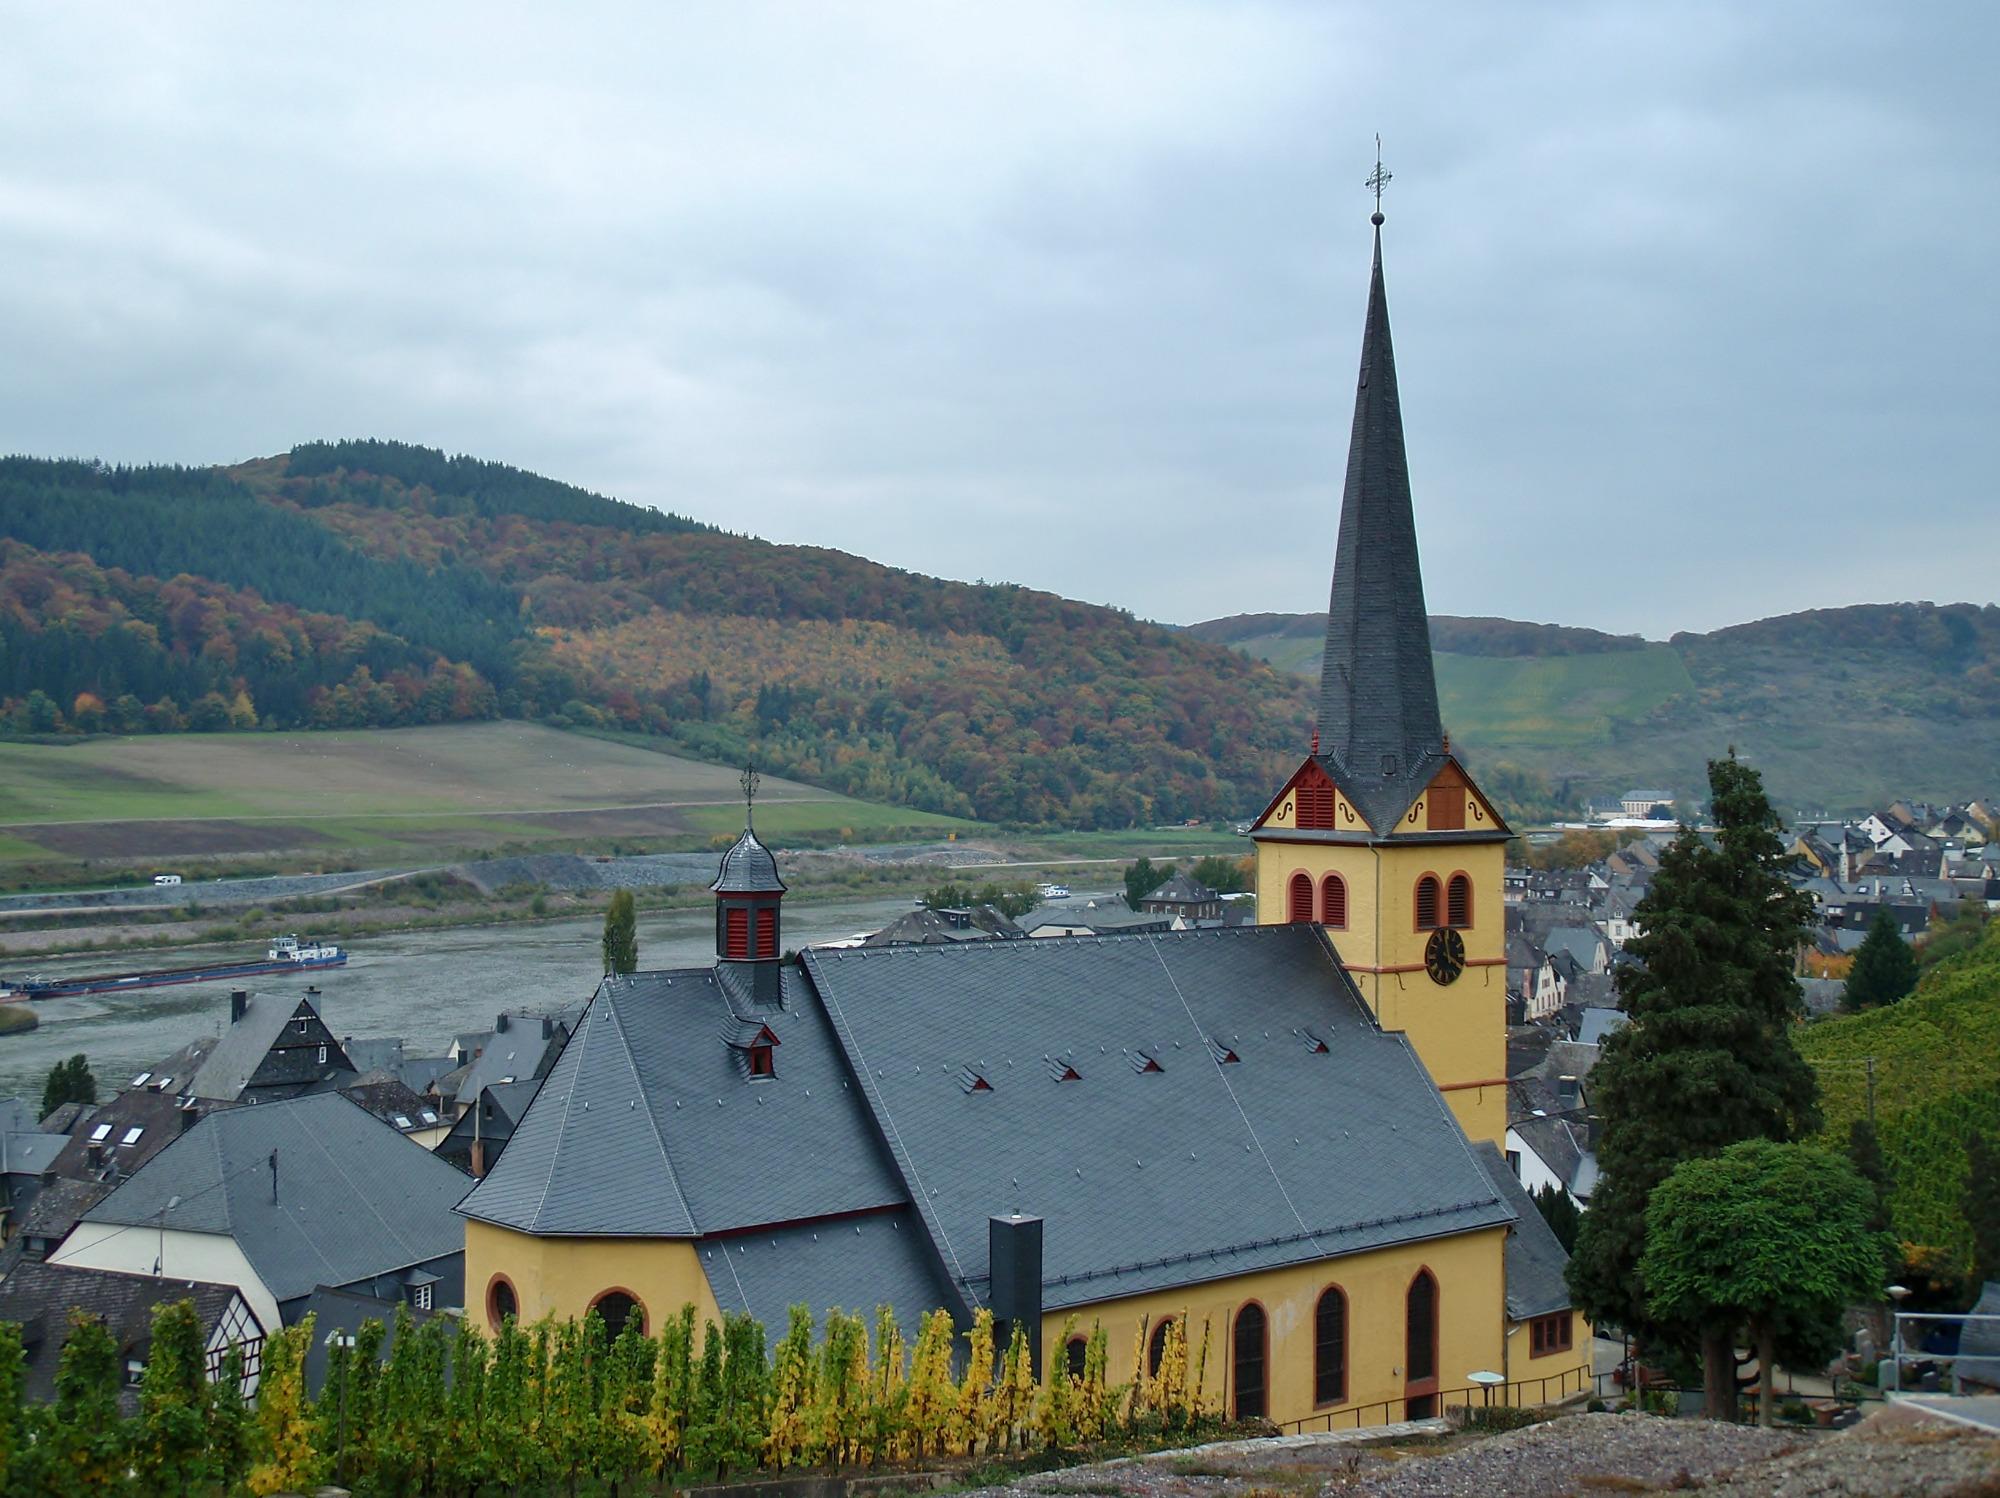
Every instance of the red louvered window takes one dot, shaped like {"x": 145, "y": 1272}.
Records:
{"x": 1458, "y": 901}
{"x": 736, "y": 932}
{"x": 1427, "y": 902}
{"x": 1315, "y": 802}
{"x": 767, "y": 933}
{"x": 1301, "y": 906}
{"x": 1333, "y": 902}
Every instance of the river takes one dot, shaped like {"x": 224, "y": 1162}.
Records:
{"x": 425, "y": 986}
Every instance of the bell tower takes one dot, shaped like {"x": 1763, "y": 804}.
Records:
{"x": 1381, "y": 836}
{"x": 748, "y": 893}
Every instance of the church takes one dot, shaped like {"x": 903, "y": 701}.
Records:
{"x": 1288, "y": 1133}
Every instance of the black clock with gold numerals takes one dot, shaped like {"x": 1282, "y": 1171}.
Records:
{"x": 1444, "y": 956}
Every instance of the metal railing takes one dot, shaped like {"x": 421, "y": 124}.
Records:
{"x": 1523, "y": 1393}
{"x": 1899, "y": 1353}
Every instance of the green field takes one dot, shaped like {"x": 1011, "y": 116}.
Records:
{"x": 392, "y": 794}
{"x": 1557, "y": 701}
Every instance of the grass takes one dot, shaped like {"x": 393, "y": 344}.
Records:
{"x": 74, "y": 812}
{"x": 1558, "y": 701}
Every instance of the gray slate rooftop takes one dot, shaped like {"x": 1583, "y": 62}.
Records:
{"x": 355, "y": 1198}
{"x": 1535, "y": 1260}
{"x": 1149, "y": 1178}
{"x": 649, "y": 1126}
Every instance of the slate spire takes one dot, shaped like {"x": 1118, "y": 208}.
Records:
{"x": 1378, "y": 708}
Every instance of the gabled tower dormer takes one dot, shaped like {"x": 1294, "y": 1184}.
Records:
{"x": 1381, "y": 836}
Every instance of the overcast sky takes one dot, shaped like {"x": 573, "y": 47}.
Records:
{"x": 1694, "y": 304}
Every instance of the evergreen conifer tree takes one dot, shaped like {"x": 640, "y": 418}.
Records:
{"x": 13, "y": 1407}
{"x": 704, "y": 1442}
{"x": 621, "y": 935}
{"x": 1559, "y": 1211}
{"x": 1884, "y": 970}
{"x": 69, "y": 1081}
{"x": 465, "y": 1460}
{"x": 794, "y": 1384}
{"x": 671, "y": 1407}
{"x": 975, "y": 1393}
{"x": 229, "y": 1423}
{"x": 933, "y": 1396}
{"x": 888, "y": 1390}
{"x": 1707, "y": 1060}
{"x": 1100, "y": 1399}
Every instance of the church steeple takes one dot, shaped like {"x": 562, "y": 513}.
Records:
{"x": 1378, "y": 707}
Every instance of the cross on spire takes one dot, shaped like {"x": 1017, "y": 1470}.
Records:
{"x": 749, "y": 780}
{"x": 1377, "y": 180}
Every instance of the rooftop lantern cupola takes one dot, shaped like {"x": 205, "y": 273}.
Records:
{"x": 747, "y": 893}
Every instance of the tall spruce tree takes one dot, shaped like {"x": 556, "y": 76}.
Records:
{"x": 1885, "y": 967}
{"x": 621, "y": 935}
{"x": 1707, "y": 1060}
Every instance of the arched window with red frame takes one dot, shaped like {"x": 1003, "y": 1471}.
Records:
{"x": 1333, "y": 902}
{"x": 1427, "y": 902}
{"x": 1299, "y": 909}
{"x": 1251, "y": 1357}
{"x": 1458, "y": 901}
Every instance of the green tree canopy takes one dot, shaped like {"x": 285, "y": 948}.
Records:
{"x": 1772, "y": 1239}
{"x": 1143, "y": 877}
{"x": 69, "y": 1082}
{"x": 1982, "y": 1206}
{"x": 1885, "y": 967}
{"x": 1708, "y": 1059}
{"x": 621, "y": 935}
{"x": 1560, "y": 1211}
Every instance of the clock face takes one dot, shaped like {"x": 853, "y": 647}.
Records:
{"x": 1444, "y": 956}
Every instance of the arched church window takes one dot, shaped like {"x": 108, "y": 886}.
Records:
{"x": 1333, "y": 902}
{"x": 1330, "y": 1347}
{"x": 1300, "y": 907}
{"x": 1427, "y": 902}
{"x": 1250, "y": 1359}
{"x": 1458, "y": 901}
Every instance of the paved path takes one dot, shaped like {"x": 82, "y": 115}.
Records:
{"x": 1982, "y": 1411}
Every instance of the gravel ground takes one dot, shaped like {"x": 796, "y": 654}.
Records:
{"x": 1581, "y": 1454}
{"x": 1889, "y": 1456}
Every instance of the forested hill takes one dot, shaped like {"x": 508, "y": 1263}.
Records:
{"x": 1840, "y": 707}
{"x": 372, "y": 583}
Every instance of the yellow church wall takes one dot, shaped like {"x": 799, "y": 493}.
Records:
{"x": 564, "y": 1276}
{"x": 1460, "y": 1030}
{"x": 1471, "y": 1323}
{"x": 1572, "y": 1367}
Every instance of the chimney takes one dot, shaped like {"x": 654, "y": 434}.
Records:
{"x": 500, "y": 1025}
{"x": 93, "y": 1155}
{"x": 548, "y": 1027}
{"x": 478, "y": 1159}
{"x": 190, "y": 1115}
{"x": 1014, "y": 1262}
{"x": 239, "y": 1004}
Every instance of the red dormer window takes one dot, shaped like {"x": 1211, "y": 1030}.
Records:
{"x": 762, "y": 1062}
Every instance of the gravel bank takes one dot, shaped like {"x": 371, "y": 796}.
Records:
{"x": 1885, "y": 1457}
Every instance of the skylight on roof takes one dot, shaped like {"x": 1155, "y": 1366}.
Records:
{"x": 428, "y": 1116}
{"x": 101, "y": 1133}
{"x": 132, "y": 1135}
{"x": 140, "y": 1080}
{"x": 399, "y": 1120}
{"x": 161, "y": 1084}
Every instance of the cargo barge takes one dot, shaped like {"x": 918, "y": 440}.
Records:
{"x": 287, "y": 954}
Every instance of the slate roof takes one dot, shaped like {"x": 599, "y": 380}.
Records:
{"x": 649, "y": 1126}
{"x": 40, "y": 1297}
{"x": 1595, "y": 1025}
{"x": 1183, "y": 890}
{"x": 355, "y": 1198}
{"x": 982, "y": 923}
{"x": 244, "y": 1043}
{"x": 879, "y": 1258}
{"x": 1534, "y": 1258}
{"x": 345, "y": 1310}
{"x": 518, "y": 1053}
{"x": 1149, "y": 1178}
{"x": 748, "y": 869}
{"x": 1378, "y": 708}
{"x": 1563, "y": 1145}
{"x": 58, "y": 1205}
{"x": 390, "y": 1101}
{"x": 155, "y": 1114}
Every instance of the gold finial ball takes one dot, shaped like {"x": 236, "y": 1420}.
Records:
{"x": 1375, "y": 218}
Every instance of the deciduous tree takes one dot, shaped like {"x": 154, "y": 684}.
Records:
{"x": 621, "y": 935}
{"x": 1772, "y": 1239}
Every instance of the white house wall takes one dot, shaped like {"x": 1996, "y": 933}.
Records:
{"x": 182, "y": 1256}
{"x": 1534, "y": 1174}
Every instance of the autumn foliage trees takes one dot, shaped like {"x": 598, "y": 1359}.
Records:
{"x": 372, "y": 584}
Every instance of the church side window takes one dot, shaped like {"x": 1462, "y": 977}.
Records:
{"x": 1458, "y": 901}
{"x": 1250, "y": 1359}
{"x": 1330, "y": 1347}
{"x": 1333, "y": 902}
{"x": 1427, "y": 902}
{"x": 1301, "y": 904}
{"x": 1156, "y": 1352}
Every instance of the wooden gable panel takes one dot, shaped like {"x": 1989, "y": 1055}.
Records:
{"x": 1312, "y": 801}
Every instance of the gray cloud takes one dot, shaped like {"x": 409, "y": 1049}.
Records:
{"x": 1691, "y": 302}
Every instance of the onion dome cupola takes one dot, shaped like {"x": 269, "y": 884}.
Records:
{"x": 747, "y": 894}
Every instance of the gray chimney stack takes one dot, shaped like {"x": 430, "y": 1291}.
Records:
{"x": 1014, "y": 1263}
{"x": 239, "y": 1004}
